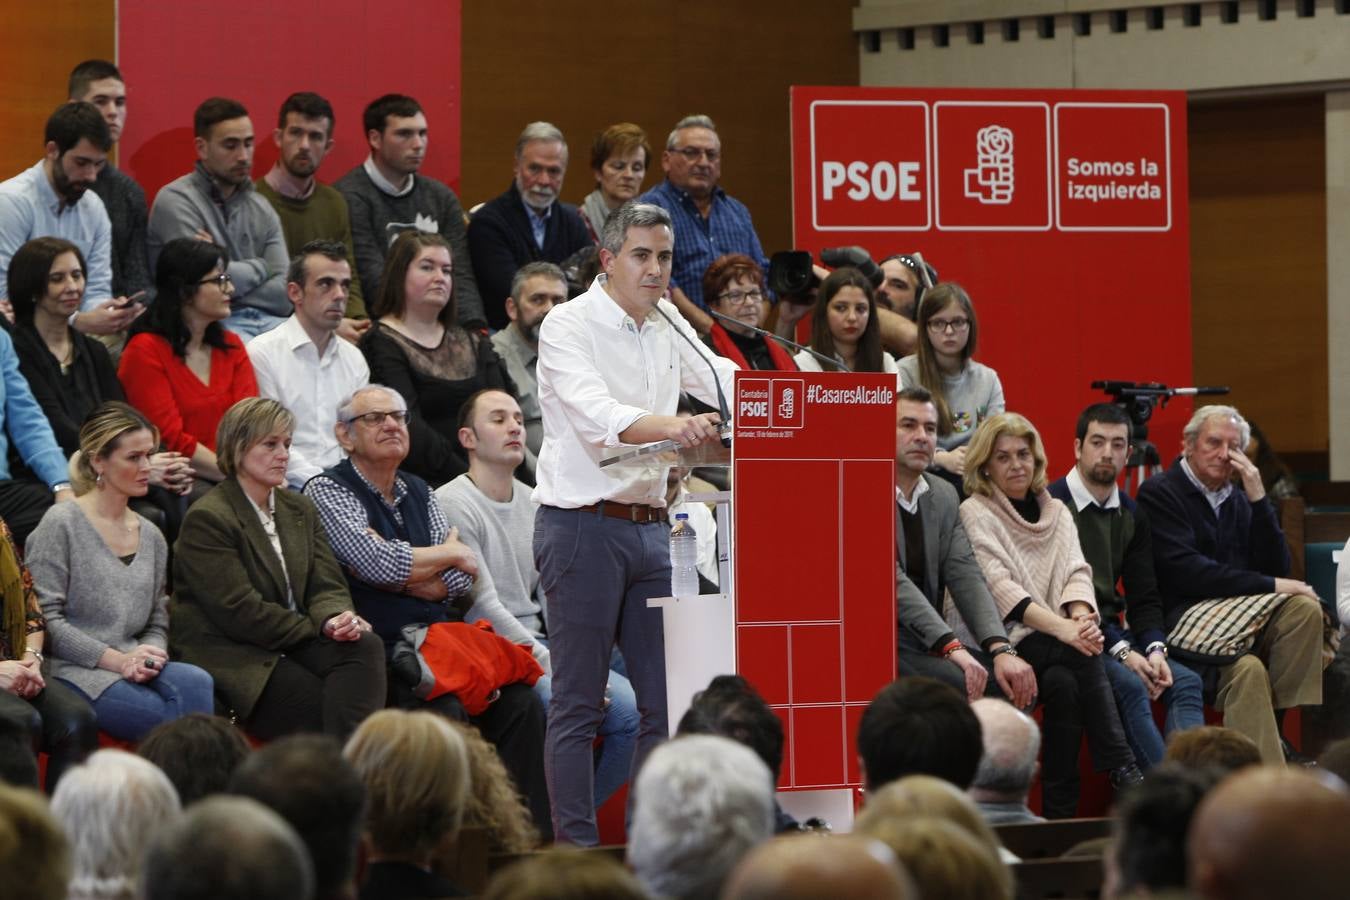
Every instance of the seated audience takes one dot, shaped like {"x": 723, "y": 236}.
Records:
{"x": 563, "y": 873}
{"x": 1222, "y": 566}
{"x": 806, "y": 868}
{"x": 919, "y": 796}
{"x": 112, "y": 807}
{"x": 198, "y": 752}
{"x": 844, "y": 327}
{"x": 1269, "y": 831}
{"x": 57, "y": 719}
{"x": 494, "y": 804}
{"x": 259, "y": 600}
{"x": 1215, "y": 747}
{"x": 1147, "y": 855}
{"x": 918, "y": 726}
{"x": 527, "y": 223}
{"x": 701, "y": 803}
{"x": 964, "y": 391}
{"x": 99, "y": 569}
{"x": 306, "y": 780}
{"x": 945, "y": 861}
{"x": 405, "y": 566}
{"x": 70, "y": 374}
{"x": 183, "y": 370}
{"x": 416, "y": 772}
{"x": 1026, "y": 543}
{"x": 416, "y": 347}
{"x": 303, "y": 364}
{"x": 1012, "y": 741}
{"x": 734, "y": 287}
{"x": 228, "y": 848}
{"x": 536, "y": 289}
{"x": 620, "y": 156}
{"x": 34, "y": 854}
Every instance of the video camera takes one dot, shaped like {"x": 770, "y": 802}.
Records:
{"x": 792, "y": 277}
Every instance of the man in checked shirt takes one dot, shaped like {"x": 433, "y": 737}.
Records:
{"x": 405, "y": 565}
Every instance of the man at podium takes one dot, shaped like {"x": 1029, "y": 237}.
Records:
{"x": 611, "y": 366}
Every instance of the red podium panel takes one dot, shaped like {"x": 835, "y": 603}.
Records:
{"x": 814, "y": 512}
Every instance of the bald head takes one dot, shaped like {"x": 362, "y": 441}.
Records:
{"x": 1011, "y": 744}
{"x": 1269, "y": 832}
{"x": 808, "y": 866}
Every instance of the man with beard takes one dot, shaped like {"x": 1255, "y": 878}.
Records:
{"x": 536, "y": 289}
{"x": 1117, "y": 543}
{"x": 52, "y": 199}
{"x": 527, "y": 223}
{"x": 216, "y": 202}
{"x": 310, "y": 211}
{"x": 302, "y": 367}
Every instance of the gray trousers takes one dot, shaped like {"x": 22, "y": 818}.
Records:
{"x": 597, "y": 573}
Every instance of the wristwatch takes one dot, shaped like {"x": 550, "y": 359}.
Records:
{"x": 1001, "y": 649}
{"x": 1123, "y": 653}
{"x": 1156, "y": 647}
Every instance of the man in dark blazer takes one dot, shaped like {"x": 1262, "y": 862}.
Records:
{"x": 526, "y": 224}
{"x": 934, "y": 557}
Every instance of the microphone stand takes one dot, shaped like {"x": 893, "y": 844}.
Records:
{"x": 779, "y": 338}
{"x": 722, "y": 407}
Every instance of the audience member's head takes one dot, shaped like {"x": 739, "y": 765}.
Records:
{"x": 563, "y": 873}
{"x": 1012, "y": 743}
{"x": 804, "y": 867}
{"x": 918, "y": 726}
{"x": 416, "y": 771}
{"x": 111, "y": 427}
{"x": 33, "y": 852}
{"x": 948, "y": 333}
{"x": 228, "y": 848}
{"x": 541, "y": 165}
{"x": 396, "y": 130}
{"x": 47, "y": 273}
{"x": 492, "y": 429}
{"x": 945, "y": 860}
{"x": 1213, "y": 745}
{"x": 902, "y": 284}
{"x": 494, "y": 804}
{"x": 845, "y": 318}
{"x": 924, "y": 795}
{"x": 224, "y": 141}
{"x": 304, "y": 133}
{"x": 100, "y": 83}
{"x": 383, "y": 441}
{"x": 536, "y": 288}
{"x": 1149, "y": 851}
{"x": 733, "y": 285}
{"x": 693, "y": 157}
{"x": 730, "y": 707}
{"x": 198, "y": 752}
{"x": 190, "y": 280}
{"x": 1269, "y": 832}
{"x": 246, "y": 424}
{"x": 1101, "y": 444}
{"x": 306, "y": 780}
{"x": 18, "y": 766}
{"x": 1335, "y": 758}
{"x": 419, "y": 269}
{"x": 1007, "y": 433}
{"x": 111, "y": 807}
{"x": 317, "y": 283}
{"x": 1207, "y": 439}
{"x": 76, "y": 150}
{"x": 701, "y": 802}
{"x": 620, "y": 156}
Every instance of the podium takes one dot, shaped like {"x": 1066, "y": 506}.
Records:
{"x": 807, "y": 614}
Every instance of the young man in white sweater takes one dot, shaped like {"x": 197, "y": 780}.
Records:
{"x": 495, "y": 518}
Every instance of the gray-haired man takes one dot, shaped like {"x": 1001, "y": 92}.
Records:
{"x": 527, "y": 223}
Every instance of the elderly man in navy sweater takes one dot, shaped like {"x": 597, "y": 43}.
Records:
{"x": 1221, "y": 563}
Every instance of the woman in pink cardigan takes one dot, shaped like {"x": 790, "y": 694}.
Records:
{"x": 1026, "y": 544}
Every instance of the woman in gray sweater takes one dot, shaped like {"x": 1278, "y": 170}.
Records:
{"x": 99, "y": 570}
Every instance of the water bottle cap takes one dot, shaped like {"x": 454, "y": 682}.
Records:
{"x": 680, "y": 516}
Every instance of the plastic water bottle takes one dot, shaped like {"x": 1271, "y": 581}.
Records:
{"x": 683, "y": 558}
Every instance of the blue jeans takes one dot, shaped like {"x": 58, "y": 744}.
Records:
{"x": 128, "y": 711}
{"x": 248, "y": 322}
{"x": 1184, "y": 701}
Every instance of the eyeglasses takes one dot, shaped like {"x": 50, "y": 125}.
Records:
{"x": 956, "y": 326}
{"x": 376, "y": 418}
{"x": 222, "y": 279}
{"x": 737, "y": 297}
{"x": 694, "y": 154}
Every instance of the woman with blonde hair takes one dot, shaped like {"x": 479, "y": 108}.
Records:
{"x": 99, "y": 569}
{"x": 1026, "y": 544}
{"x": 493, "y": 803}
{"x": 416, "y": 770}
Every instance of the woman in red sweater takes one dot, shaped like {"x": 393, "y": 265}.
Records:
{"x": 183, "y": 370}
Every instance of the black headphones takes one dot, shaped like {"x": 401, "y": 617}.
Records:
{"x": 918, "y": 267}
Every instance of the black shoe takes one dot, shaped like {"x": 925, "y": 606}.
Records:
{"x": 1126, "y": 777}
{"x": 1294, "y": 758}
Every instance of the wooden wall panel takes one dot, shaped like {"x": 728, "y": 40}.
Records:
{"x": 42, "y": 43}
{"x": 1258, "y": 262}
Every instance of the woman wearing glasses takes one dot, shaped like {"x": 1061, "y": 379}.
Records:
{"x": 965, "y": 392}
{"x": 734, "y": 286}
{"x": 259, "y": 599}
{"x": 844, "y": 326}
{"x": 417, "y": 348}
{"x": 183, "y": 370}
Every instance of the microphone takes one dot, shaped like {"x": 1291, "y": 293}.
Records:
{"x": 722, "y": 407}
{"x": 779, "y": 338}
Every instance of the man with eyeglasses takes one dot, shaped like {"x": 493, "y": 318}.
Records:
{"x": 536, "y": 289}
{"x": 406, "y": 566}
{"x": 708, "y": 222}
{"x": 301, "y": 365}
{"x": 526, "y": 224}
{"x": 216, "y": 202}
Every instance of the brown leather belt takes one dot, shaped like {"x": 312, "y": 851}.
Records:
{"x": 632, "y": 512}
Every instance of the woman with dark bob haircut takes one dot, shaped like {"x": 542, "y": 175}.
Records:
{"x": 844, "y": 326}
{"x": 183, "y": 370}
{"x": 417, "y": 347}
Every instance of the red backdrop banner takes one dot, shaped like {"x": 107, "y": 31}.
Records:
{"x": 1063, "y": 214}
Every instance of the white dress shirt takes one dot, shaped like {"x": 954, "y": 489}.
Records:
{"x": 1083, "y": 498}
{"x": 598, "y": 374}
{"x": 291, "y": 372}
